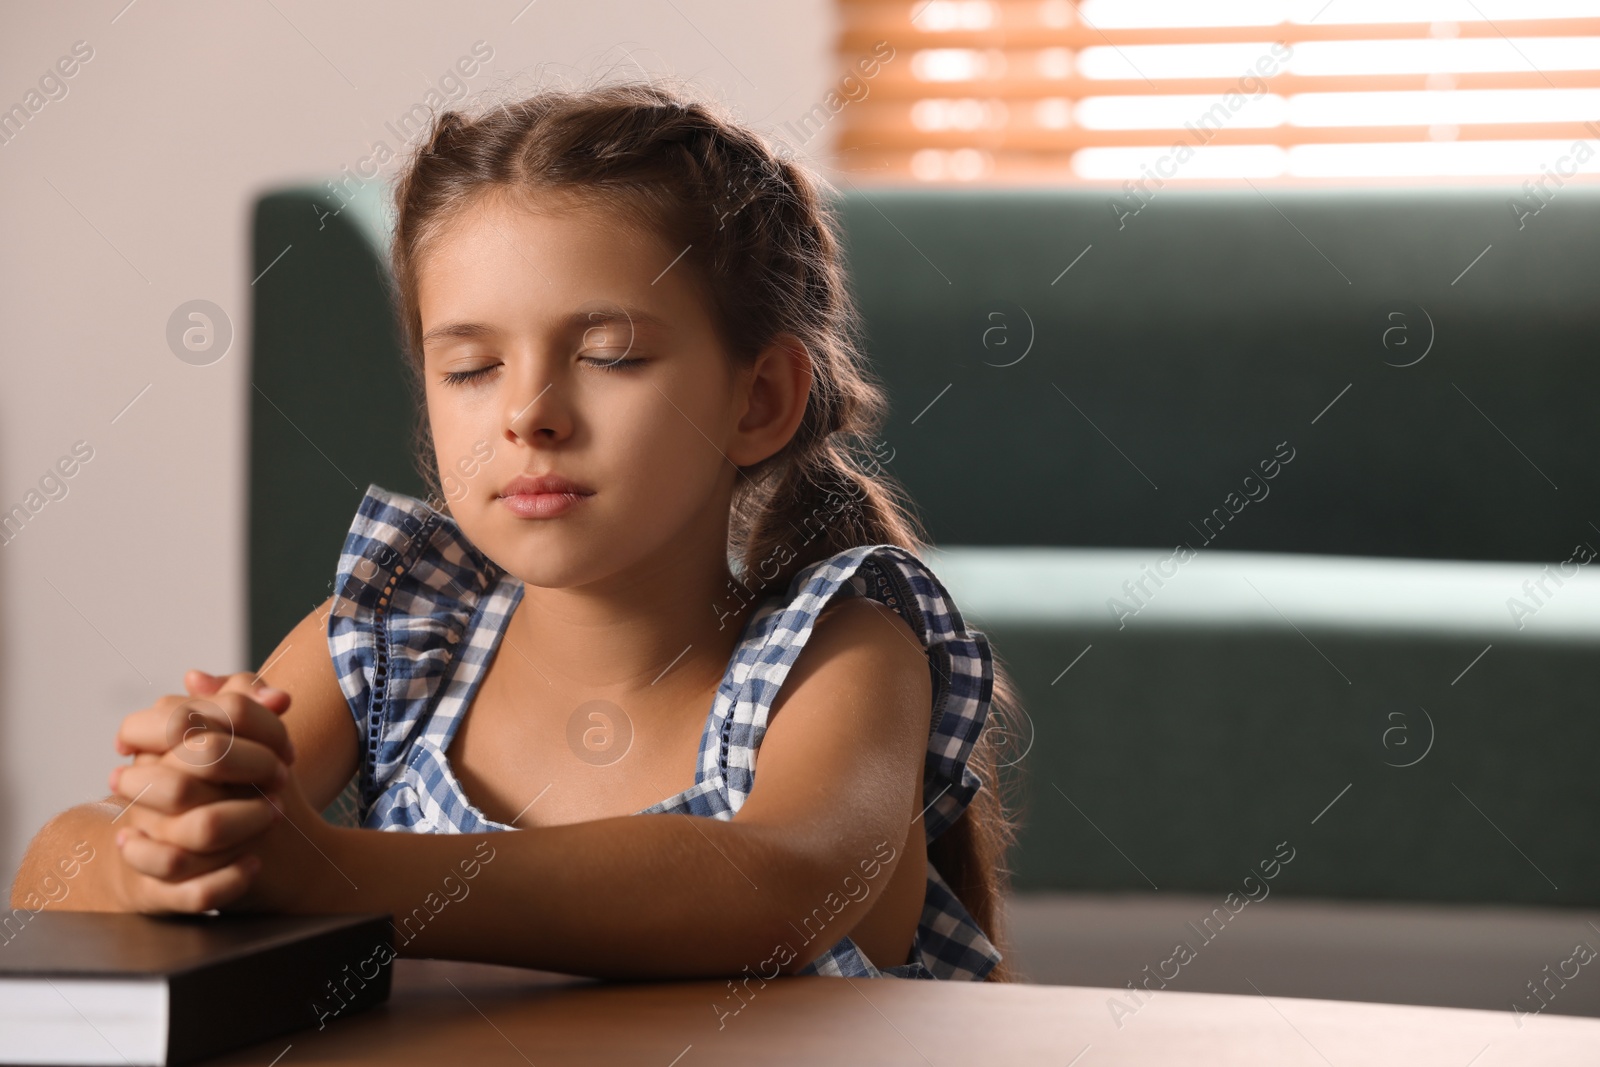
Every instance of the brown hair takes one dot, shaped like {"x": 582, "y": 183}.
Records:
{"x": 765, "y": 247}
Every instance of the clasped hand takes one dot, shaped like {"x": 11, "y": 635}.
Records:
{"x": 215, "y": 816}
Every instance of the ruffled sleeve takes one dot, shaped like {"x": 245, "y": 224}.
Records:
{"x": 407, "y": 588}
{"x": 960, "y": 666}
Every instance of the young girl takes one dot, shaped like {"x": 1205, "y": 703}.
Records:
{"x": 637, "y": 375}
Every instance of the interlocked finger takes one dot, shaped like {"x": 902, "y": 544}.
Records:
{"x": 165, "y": 862}
{"x": 201, "y": 729}
{"x": 217, "y": 880}
{"x": 168, "y": 790}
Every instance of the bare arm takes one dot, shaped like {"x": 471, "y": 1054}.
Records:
{"x": 318, "y": 719}
{"x": 70, "y": 863}
{"x": 667, "y": 895}
{"x": 73, "y": 863}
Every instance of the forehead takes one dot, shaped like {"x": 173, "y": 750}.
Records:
{"x": 505, "y": 255}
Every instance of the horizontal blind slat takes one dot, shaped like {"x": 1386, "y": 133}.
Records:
{"x": 1023, "y": 114}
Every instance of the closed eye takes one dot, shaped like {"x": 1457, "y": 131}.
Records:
{"x": 461, "y": 377}
{"x": 458, "y": 377}
{"x": 612, "y": 364}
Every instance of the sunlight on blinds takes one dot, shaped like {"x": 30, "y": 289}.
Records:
{"x": 1052, "y": 90}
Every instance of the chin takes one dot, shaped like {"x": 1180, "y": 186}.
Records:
{"x": 549, "y": 553}
{"x": 546, "y": 570}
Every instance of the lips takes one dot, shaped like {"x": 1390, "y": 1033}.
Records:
{"x": 526, "y": 485}
{"x": 544, "y": 497}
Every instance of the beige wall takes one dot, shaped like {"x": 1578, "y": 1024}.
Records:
{"x": 129, "y": 196}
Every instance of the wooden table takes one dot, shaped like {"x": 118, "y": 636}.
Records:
{"x": 449, "y": 1013}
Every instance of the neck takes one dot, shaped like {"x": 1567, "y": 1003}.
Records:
{"x": 658, "y": 632}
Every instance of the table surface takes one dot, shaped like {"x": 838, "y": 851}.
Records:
{"x": 450, "y": 1012}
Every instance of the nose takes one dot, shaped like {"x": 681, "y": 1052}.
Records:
{"x": 537, "y": 410}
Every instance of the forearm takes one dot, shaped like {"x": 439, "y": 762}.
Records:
{"x": 72, "y": 863}
{"x": 639, "y": 896}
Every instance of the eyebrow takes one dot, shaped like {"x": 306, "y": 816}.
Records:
{"x": 471, "y": 331}
{"x": 458, "y": 331}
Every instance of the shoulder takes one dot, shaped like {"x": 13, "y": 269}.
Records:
{"x": 861, "y": 619}
{"x": 849, "y": 701}
{"x": 958, "y": 661}
{"x": 886, "y": 575}
{"x": 843, "y": 746}
{"x": 880, "y": 634}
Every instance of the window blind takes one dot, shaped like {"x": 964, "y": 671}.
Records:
{"x": 1326, "y": 90}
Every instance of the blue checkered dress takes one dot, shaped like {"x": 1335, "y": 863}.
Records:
{"x": 419, "y": 612}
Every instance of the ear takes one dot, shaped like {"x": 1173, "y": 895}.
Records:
{"x": 771, "y": 398}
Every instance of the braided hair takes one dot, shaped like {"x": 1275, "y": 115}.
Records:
{"x": 763, "y": 245}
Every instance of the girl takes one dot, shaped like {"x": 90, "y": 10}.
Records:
{"x": 638, "y": 394}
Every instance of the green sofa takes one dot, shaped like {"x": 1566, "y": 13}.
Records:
{"x": 1245, "y": 487}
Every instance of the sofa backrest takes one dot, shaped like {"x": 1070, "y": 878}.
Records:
{"x": 1065, "y": 370}
{"x": 1413, "y": 367}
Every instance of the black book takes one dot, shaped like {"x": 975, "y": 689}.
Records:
{"x": 122, "y": 988}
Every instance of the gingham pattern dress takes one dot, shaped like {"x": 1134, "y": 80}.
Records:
{"x": 418, "y": 615}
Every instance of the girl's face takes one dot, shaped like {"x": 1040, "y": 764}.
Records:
{"x": 560, "y": 339}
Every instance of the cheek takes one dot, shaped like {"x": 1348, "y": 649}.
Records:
{"x": 665, "y": 448}
{"x": 459, "y": 426}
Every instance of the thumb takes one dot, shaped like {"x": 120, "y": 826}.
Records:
{"x": 252, "y": 685}
{"x": 274, "y": 700}
{"x": 201, "y": 684}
